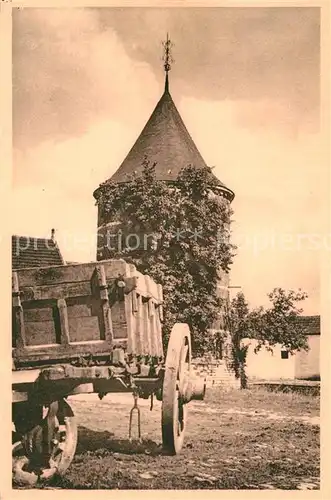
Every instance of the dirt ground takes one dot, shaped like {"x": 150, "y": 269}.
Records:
{"x": 250, "y": 439}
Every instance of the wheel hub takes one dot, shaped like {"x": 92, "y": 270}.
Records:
{"x": 192, "y": 388}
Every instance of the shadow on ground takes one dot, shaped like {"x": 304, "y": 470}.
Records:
{"x": 104, "y": 442}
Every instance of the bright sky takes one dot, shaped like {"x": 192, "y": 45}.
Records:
{"x": 246, "y": 82}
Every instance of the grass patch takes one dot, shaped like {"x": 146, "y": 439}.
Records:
{"x": 258, "y": 398}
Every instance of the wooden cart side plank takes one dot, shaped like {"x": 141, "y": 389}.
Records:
{"x": 55, "y": 292}
{"x": 155, "y": 330}
{"x": 18, "y": 313}
{"x": 140, "y": 325}
{"x": 47, "y": 332}
{"x": 108, "y": 324}
{"x": 146, "y": 286}
{"x": 74, "y": 273}
{"x": 82, "y": 273}
{"x": 86, "y": 329}
{"x": 58, "y": 352}
{"x": 64, "y": 322}
{"x": 146, "y": 323}
{"x": 20, "y": 339}
{"x": 131, "y": 324}
{"x": 142, "y": 291}
{"x": 150, "y": 316}
{"x": 99, "y": 272}
{"x": 159, "y": 333}
{"x": 119, "y": 321}
{"x": 106, "y": 310}
{"x": 153, "y": 327}
{"x": 135, "y": 305}
{"x": 159, "y": 319}
{"x": 147, "y": 329}
{"x": 66, "y": 290}
{"x": 56, "y": 275}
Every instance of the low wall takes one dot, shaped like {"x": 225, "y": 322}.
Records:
{"x": 300, "y": 386}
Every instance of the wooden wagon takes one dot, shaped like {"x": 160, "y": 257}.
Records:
{"x": 90, "y": 328}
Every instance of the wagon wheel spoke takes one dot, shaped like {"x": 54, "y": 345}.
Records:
{"x": 50, "y": 426}
{"x": 180, "y": 427}
{"x": 183, "y": 364}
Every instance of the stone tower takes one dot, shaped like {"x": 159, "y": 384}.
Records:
{"x": 166, "y": 141}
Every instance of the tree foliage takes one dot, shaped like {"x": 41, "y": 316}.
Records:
{"x": 239, "y": 327}
{"x": 183, "y": 232}
{"x": 277, "y": 324}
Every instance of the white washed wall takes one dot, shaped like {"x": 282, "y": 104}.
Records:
{"x": 307, "y": 364}
{"x": 267, "y": 365}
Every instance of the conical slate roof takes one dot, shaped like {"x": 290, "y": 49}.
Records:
{"x": 166, "y": 141}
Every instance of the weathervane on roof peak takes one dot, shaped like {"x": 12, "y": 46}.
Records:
{"x": 168, "y": 59}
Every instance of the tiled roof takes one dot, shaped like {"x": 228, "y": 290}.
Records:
{"x": 311, "y": 324}
{"x": 28, "y": 251}
{"x": 166, "y": 141}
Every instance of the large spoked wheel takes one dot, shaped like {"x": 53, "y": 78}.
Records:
{"x": 47, "y": 447}
{"x": 177, "y": 372}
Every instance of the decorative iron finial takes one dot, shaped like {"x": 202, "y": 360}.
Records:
{"x": 168, "y": 59}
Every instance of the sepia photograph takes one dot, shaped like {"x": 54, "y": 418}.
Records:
{"x": 171, "y": 184}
